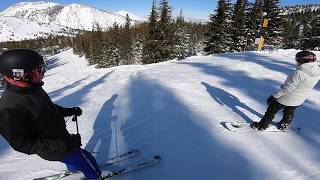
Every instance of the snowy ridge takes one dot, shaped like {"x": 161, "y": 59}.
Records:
{"x": 27, "y": 9}
{"x": 59, "y": 17}
{"x": 132, "y": 16}
{"x": 83, "y": 17}
{"x": 175, "y": 109}
{"x": 300, "y": 9}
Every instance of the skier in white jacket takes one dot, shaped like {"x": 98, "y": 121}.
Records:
{"x": 293, "y": 92}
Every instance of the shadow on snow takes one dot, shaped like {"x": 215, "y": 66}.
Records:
{"x": 224, "y": 98}
{"x": 158, "y": 123}
{"x": 57, "y": 93}
{"x": 254, "y": 88}
{"x": 306, "y": 115}
{"x": 100, "y": 141}
{"x": 265, "y": 61}
{"x": 54, "y": 62}
{"x": 77, "y": 98}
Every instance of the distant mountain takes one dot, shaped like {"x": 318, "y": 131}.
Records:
{"x": 27, "y": 20}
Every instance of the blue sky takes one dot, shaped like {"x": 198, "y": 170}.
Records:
{"x": 199, "y": 9}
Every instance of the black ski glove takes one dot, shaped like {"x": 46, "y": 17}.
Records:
{"x": 77, "y": 111}
{"x": 75, "y": 141}
{"x": 270, "y": 99}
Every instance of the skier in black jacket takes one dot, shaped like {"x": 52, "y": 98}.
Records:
{"x": 31, "y": 122}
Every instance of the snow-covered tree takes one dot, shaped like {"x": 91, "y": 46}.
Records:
{"x": 238, "y": 28}
{"x": 127, "y": 43}
{"x": 311, "y": 33}
{"x": 218, "y": 38}
{"x": 254, "y": 19}
{"x": 138, "y": 49}
{"x": 111, "y": 54}
{"x": 166, "y": 28}
{"x": 275, "y": 29}
{"x": 183, "y": 42}
{"x": 152, "y": 45}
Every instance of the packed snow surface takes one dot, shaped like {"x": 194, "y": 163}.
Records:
{"x": 175, "y": 109}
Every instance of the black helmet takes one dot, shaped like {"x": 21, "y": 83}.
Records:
{"x": 22, "y": 65}
{"x": 305, "y": 57}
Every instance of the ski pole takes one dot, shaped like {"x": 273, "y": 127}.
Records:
{"x": 75, "y": 119}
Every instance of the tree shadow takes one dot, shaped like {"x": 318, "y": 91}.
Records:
{"x": 158, "y": 123}
{"x": 265, "y": 61}
{"x": 255, "y": 88}
{"x": 99, "y": 143}
{"x": 57, "y": 93}
{"x": 77, "y": 98}
{"x": 307, "y": 117}
{"x": 54, "y": 62}
{"x": 224, "y": 98}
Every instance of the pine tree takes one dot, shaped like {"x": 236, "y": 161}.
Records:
{"x": 184, "y": 47}
{"x": 97, "y": 46}
{"x": 218, "y": 36}
{"x": 238, "y": 30}
{"x": 166, "y": 28}
{"x": 116, "y": 42}
{"x": 152, "y": 45}
{"x": 311, "y": 38}
{"x": 138, "y": 49}
{"x": 292, "y": 34}
{"x": 253, "y": 22}
{"x": 316, "y": 33}
{"x": 111, "y": 53}
{"x": 274, "y": 31}
{"x": 127, "y": 43}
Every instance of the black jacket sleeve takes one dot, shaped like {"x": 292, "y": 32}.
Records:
{"x": 38, "y": 145}
{"x": 65, "y": 111}
{"x": 20, "y": 133}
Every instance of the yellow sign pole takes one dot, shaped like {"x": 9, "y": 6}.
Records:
{"x": 265, "y": 23}
{"x": 261, "y": 41}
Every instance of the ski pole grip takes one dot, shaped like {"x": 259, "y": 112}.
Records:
{"x": 75, "y": 119}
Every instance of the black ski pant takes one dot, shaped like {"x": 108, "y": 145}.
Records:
{"x": 273, "y": 108}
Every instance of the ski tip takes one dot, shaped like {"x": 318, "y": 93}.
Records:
{"x": 133, "y": 151}
{"x": 157, "y": 157}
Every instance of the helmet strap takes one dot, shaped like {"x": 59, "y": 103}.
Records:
{"x": 15, "y": 82}
{"x": 37, "y": 76}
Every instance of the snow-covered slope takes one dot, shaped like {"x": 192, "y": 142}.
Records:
{"x": 84, "y": 17}
{"x": 40, "y": 16}
{"x": 131, "y": 16}
{"x": 13, "y": 28}
{"x": 28, "y": 10}
{"x": 175, "y": 109}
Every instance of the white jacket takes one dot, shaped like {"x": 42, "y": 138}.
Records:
{"x": 298, "y": 85}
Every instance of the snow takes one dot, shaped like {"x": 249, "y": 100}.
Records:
{"x": 175, "y": 109}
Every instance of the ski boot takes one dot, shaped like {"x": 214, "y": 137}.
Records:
{"x": 256, "y": 126}
{"x": 282, "y": 126}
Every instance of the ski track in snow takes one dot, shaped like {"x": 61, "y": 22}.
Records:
{"x": 175, "y": 109}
